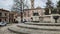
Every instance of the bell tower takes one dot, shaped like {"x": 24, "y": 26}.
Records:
{"x": 32, "y": 4}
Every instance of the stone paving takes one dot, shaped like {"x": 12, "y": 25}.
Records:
{"x": 4, "y": 30}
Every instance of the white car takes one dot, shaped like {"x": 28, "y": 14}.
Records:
{"x": 3, "y": 23}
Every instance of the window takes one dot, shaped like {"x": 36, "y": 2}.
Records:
{"x": 35, "y": 14}
{"x": 28, "y": 14}
{"x": 5, "y": 14}
{"x": 0, "y": 20}
{"x": 0, "y": 14}
{"x": 24, "y": 13}
{"x": 5, "y": 19}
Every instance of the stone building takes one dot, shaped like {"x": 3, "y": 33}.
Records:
{"x": 13, "y": 16}
{"x": 38, "y": 14}
{"x": 4, "y": 15}
{"x": 8, "y": 16}
{"x": 35, "y": 14}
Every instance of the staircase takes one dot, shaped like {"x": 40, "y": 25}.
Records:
{"x": 36, "y": 28}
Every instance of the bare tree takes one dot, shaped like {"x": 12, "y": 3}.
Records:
{"x": 17, "y": 5}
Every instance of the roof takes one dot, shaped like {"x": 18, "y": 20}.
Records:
{"x": 34, "y": 9}
{"x": 4, "y": 10}
{"x": 38, "y": 7}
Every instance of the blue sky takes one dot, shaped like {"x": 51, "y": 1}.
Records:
{"x": 7, "y": 4}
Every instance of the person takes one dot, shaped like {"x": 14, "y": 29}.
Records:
{"x": 24, "y": 21}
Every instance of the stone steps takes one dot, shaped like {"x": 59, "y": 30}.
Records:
{"x": 52, "y": 28}
{"x": 31, "y": 31}
{"x": 44, "y": 24}
{"x": 24, "y": 28}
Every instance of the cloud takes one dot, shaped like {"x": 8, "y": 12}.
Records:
{"x": 6, "y": 4}
{"x": 42, "y": 4}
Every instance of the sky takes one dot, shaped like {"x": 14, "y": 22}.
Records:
{"x": 42, "y": 4}
{"x": 7, "y": 4}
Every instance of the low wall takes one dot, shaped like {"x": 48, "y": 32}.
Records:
{"x": 50, "y": 19}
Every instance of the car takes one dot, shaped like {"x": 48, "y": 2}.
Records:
{"x": 3, "y": 23}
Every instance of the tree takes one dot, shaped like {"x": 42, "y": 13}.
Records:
{"x": 58, "y": 6}
{"x": 17, "y": 5}
{"x": 49, "y": 6}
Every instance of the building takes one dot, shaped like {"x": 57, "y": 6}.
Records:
{"x": 13, "y": 16}
{"x": 38, "y": 14}
{"x": 35, "y": 14}
{"x": 4, "y": 15}
{"x": 8, "y": 16}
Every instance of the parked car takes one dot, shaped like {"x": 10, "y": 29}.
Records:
{"x": 3, "y": 23}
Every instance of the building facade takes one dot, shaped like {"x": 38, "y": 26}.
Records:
{"x": 38, "y": 14}
{"x": 4, "y": 15}
{"x": 33, "y": 14}
{"x": 13, "y": 16}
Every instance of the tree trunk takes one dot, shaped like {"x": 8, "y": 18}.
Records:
{"x": 21, "y": 17}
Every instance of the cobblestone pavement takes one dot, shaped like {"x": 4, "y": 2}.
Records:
{"x": 4, "y": 30}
